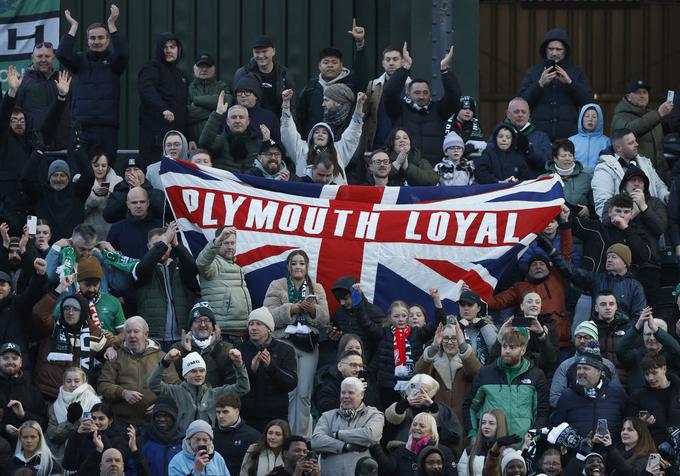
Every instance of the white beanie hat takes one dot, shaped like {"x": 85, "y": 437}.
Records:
{"x": 262, "y": 315}
{"x": 510, "y": 455}
{"x": 192, "y": 361}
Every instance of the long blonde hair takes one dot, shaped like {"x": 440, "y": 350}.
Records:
{"x": 46, "y": 456}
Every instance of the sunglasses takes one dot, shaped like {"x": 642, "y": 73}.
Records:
{"x": 44, "y": 44}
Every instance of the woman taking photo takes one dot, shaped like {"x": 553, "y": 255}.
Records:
{"x": 76, "y": 396}
{"x": 631, "y": 457}
{"x": 492, "y": 425}
{"x": 32, "y": 452}
{"x": 300, "y": 310}
{"x": 266, "y": 454}
{"x": 105, "y": 178}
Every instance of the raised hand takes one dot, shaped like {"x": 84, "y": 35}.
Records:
{"x": 170, "y": 233}
{"x": 13, "y": 79}
{"x": 4, "y": 232}
{"x": 168, "y": 115}
{"x": 73, "y": 24}
{"x": 438, "y": 335}
{"x": 407, "y": 61}
{"x": 222, "y": 105}
{"x": 665, "y": 108}
{"x": 446, "y": 60}
{"x": 172, "y": 355}
{"x": 266, "y": 133}
{"x": 436, "y": 297}
{"x": 97, "y": 440}
{"x": 361, "y": 100}
{"x": 63, "y": 83}
{"x": 186, "y": 341}
{"x": 357, "y": 32}
{"x": 40, "y": 266}
{"x": 236, "y": 358}
{"x": 113, "y": 17}
{"x": 286, "y": 96}
{"x": 132, "y": 438}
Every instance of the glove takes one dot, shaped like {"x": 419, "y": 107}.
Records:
{"x": 544, "y": 243}
{"x": 508, "y": 440}
{"x": 564, "y": 435}
{"x": 522, "y": 143}
{"x": 352, "y": 448}
{"x": 74, "y": 412}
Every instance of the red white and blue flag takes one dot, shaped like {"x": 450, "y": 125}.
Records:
{"x": 398, "y": 241}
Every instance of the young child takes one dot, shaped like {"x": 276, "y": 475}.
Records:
{"x": 195, "y": 397}
{"x": 454, "y": 169}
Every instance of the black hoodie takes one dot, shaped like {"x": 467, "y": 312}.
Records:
{"x": 555, "y": 108}
{"x": 495, "y": 164}
{"x": 162, "y": 86}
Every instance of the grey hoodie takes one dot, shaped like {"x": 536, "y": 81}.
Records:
{"x": 153, "y": 170}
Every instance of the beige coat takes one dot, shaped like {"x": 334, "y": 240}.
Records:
{"x": 276, "y": 300}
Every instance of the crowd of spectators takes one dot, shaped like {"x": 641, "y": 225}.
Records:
{"x": 121, "y": 352}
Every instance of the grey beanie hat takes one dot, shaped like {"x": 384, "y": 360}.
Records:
{"x": 340, "y": 93}
{"x": 58, "y": 166}
{"x": 198, "y": 426}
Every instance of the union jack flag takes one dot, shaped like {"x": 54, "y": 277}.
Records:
{"x": 398, "y": 241}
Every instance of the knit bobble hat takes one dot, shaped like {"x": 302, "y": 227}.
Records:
{"x": 452, "y": 140}
{"x": 589, "y": 328}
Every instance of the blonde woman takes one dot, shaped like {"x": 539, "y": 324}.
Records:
{"x": 32, "y": 452}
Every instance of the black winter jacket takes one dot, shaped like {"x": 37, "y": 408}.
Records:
{"x": 495, "y": 164}
{"x": 284, "y": 80}
{"x": 95, "y": 90}
{"x": 15, "y": 312}
{"x": 162, "y": 86}
{"x": 426, "y": 125}
{"x": 402, "y": 462}
{"x": 269, "y": 386}
{"x": 233, "y": 442}
{"x": 382, "y": 364}
{"x": 667, "y": 414}
{"x": 555, "y": 108}
{"x": 116, "y": 205}
{"x": 20, "y": 388}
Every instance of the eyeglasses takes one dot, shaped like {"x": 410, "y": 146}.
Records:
{"x": 448, "y": 339}
{"x": 244, "y": 93}
{"x": 17, "y": 120}
{"x": 203, "y": 322}
{"x": 269, "y": 155}
{"x": 354, "y": 365}
{"x": 381, "y": 161}
{"x": 43, "y": 44}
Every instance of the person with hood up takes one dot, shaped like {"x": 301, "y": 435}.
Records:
{"x": 554, "y": 88}
{"x": 164, "y": 95}
{"x": 194, "y": 396}
{"x": 590, "y": 139}
{"x": 321, "y": 138}
{"x": 272, "y": 76}
{"x": 162, "y": 439}
{"x": 175, "y": 147}
{"x": 465, "y": 123}
{"x": 500, "y": 162}
{"x": 198, "y": 455}
{"x": 234, "y": 147}
{"x": 309, "y": 108}
{"x": 204, "y": 91}
{"x": 96, "y": 90}
{"x": 248, "y": 93}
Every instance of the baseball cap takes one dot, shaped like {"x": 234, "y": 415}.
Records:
{"x": 636, "y": 84}
{"x": 205, "y": 59}
{"x": 268, "y": 144}
{"x": 10, "y": 347}
{"x": 263, "y": 41}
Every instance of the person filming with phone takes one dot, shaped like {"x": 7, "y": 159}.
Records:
{"x": 198, "y": 455}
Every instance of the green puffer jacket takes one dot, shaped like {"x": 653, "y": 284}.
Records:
{"x": 521, "y": 393}
{"x": 646, "y": 125}
{"x": 224, "y": 287}
{"x": 203, "y": 94}
{"x": 418, "y": 174}
{"x": 197, "y": 403}
{"x": 577, "y": 189}
{"x": 227, "y": 153}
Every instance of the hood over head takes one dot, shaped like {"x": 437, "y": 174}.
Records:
{"x": 498, "y": 128}
{"x": 321, "y": 124}
{"x": 160, "y": 44}
{"x": 84, "y": 309}
{"x": 184, "y": 155}
{"x": 556, "y": 34}
{"x": 600, "y": 120}
{"x": 634, "y": 171}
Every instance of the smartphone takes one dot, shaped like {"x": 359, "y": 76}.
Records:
{"x": 653, "y": 462}
{"x": 106, "y": 184}
{"x": 602, "y": 427}
{"x": 362, "y": 375}
{"x": 415, "y": 387}
{"x": 643, "y": 414}
{"x": 521, "y": 322}
{"x": 311, "y": 455}
{"x": 87, "y": 415}
{"x": 32, "y": 224}
{"x": 451, "y": 319}
{"x": 311, "y": 298}
{"x": 670, "y": 95}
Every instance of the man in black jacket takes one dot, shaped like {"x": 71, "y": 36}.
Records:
{"x": 554, "y": 88}
{"x": 422, "y": 117}
{"x": 272, "y": 371}
{"x": 232, "y": 435}
{"x": 135, "y": 176}
{"x": 163, "y": 93}
{"x": 96, "y": 91}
